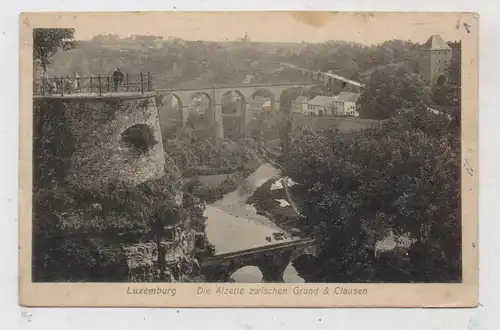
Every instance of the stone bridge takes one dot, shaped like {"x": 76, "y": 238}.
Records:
{"x": 272, "y": 260}
{"x": 215, "y": 95}
{"x": 101, "y": 87}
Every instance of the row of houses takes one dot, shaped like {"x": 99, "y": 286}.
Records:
{"x": 343, "y": 104}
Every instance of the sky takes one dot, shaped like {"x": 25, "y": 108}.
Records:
{"x": 364, "y": 28}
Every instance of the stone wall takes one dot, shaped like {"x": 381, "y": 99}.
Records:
{"x": 142, "y": 259}
{"x": 85, "y": 143}
{"x": 99, "y": 155}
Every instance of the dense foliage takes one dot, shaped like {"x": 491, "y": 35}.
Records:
{"x": 196, "y": 150}
{"x": 354, "y": 60}
{"x": 401, "y": 176}
{"x": 75, "y": 227}
{"x": 388, "y": 90}
{"x": 455, "y": 69}
{"x": 181, "y": 62}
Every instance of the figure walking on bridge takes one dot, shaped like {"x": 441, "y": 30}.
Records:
{"x": 117, "y": 78}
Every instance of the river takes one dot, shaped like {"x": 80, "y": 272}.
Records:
{"x": 233, "y": 225}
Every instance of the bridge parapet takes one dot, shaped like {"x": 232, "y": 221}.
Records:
{"x": 93, "y": 85}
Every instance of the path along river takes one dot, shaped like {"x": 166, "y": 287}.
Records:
{"x": 233, "y": 225}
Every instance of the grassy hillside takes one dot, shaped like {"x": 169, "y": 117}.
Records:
{"x": 343, "y": 124}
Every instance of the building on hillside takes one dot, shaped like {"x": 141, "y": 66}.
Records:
{"x": 246, "y": 38}
{"x": 248, "y": 79}
{"x": 321, "y": 106}
{"x": 434, "y": 60}
{"x": 345, "y": 104}
{"x": 300, "y": 104}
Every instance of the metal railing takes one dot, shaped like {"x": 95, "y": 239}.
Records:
{"x": 96, "y": 85}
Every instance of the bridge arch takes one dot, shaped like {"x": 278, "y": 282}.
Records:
{"x": 306, "y": 251}
{"x": 233, "y": 111}
{"x": 170, "y": 113}
{"x": 288, "y": 95}
{"x": 263, "y": 93}
{"x": 165, "y": 95}
{"x": 302, "y": 261}
{"x": 199, "y": 95}
{"x": 201, "y": 104}
{"x": 247, "y": 274}
{"x": 231, "y": 100}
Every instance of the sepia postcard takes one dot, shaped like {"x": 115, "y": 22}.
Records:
{"x": 248, "y": 159}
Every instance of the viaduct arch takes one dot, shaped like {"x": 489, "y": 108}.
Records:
{"x": 215, "y": 94}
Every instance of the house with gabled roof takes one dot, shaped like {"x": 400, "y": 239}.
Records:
{"x": 299, "y": 105}
{"x": 346, "y": 104}
{"x": 321, "y": 106}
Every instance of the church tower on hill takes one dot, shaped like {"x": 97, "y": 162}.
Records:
{"x": 434, "y": 60}
{"x": 246, "y": 38}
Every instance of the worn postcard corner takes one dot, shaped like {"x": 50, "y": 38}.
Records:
{"x": 249, "y": 159}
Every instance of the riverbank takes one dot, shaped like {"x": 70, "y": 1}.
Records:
{"x": 272, "y": 201}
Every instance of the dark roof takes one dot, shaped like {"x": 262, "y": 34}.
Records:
{"x": 322, "y": 100}
{"x": 301, "y": 99}
{"x": 435, "y": 42}
{"x": 347, "y": 97}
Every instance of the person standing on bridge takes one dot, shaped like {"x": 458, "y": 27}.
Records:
{"x": 76, "y": 82}
{"x": 117, "y": 78}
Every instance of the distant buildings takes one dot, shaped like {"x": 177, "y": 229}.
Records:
{"x": 246, "y": 38}
{"x": 343, "y": 104}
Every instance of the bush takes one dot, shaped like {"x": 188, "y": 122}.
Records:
{"x": 211, "y": 195}
{"x": 198, "y": 155}
{"x": 75, "y": 229}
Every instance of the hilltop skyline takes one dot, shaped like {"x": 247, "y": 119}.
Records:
{"x": 274, "y": 26}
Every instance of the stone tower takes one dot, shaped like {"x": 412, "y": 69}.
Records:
{"x": 102, "y": 139}
{"x": 434, "y": 60}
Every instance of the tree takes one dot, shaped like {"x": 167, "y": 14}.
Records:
{"x": 401, "y": 176}
{"x": 316, "y": 90}
{"x": 46, "y": 43}
{"x": 454, "y": 71}
{"x": 388, "y": 90}
{"x": 285, "y": 111}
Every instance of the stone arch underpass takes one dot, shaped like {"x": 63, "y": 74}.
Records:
{"x": 215, "y": 93}
{"x": 271, "y": 260}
